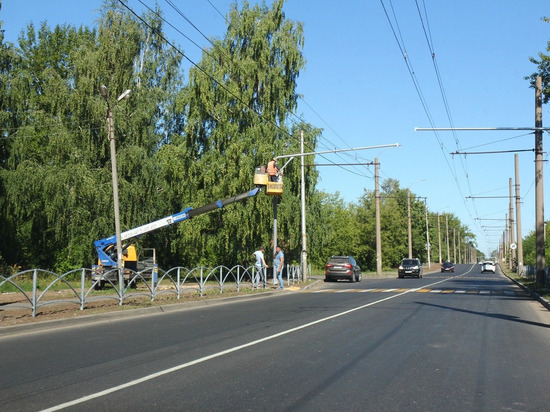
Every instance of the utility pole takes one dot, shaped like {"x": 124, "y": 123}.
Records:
{"x": 427, "y": 232}
{"x": 506, "y": 245}
{"x": 518, "y": 220}
{"x": 454, "y": 245}
{"x": 303, "y": 195}
{"x": 439, "y": 237}
{"x": 110, "y": 123}
{"x": 410, "y": 223}
{"x": 511, "y": 215}
{"x": 377, "y": 212}
{"x": 447, "y": 231}
{"x": 539, "y": 192}
{"x": 275, "y": 206}
{"x": 458, "y": 238}
{"x": 276, "y": 198}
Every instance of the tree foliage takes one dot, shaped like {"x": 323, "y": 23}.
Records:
{"x": 179, "y": 144}
{"x": 543, "y": 69}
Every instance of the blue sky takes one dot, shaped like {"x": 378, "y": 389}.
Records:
{"x": 358, "y": 87}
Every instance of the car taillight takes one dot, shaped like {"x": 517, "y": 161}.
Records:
{"x": 329, "y": 265}
{"x": 348, "y": 265}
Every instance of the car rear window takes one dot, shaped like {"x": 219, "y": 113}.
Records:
{"x": 338, "y": 261}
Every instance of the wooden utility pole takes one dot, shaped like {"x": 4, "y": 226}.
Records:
{"x": 518, "y": 220}
{"x": 539, "y": 192}
{"x": 378, "y": 230}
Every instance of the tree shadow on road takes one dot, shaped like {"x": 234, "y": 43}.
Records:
{"x": 490, "y": 315}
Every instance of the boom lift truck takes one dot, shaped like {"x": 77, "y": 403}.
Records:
{"x": 106, "y": 248}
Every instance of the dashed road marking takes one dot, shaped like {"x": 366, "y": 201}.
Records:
{"x": 425, "y": 290}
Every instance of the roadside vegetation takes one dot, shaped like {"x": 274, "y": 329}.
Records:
{"x": 185, "y": 138}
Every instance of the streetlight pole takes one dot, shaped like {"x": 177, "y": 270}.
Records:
{"x": 303, "y": 204}
{"x": 105, "y": 94}
{"x": 303, "y": 260}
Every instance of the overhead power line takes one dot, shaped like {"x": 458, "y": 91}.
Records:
{"x": 493, "y": 152}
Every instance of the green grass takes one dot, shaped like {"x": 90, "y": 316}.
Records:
{"x": 25, "y": 283}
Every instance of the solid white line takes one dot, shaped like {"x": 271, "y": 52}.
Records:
{"x": 225, "y": 352}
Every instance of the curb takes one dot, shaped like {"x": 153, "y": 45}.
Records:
{"x": 117, "y": 315}
{"x": 544, "y": 302}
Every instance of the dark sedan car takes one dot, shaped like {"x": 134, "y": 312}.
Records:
{"x": 342, "y": 267}
{"x": 447, "y": 267}
{"x": 410, "y": 267}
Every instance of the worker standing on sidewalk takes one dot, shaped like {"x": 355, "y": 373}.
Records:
{"x": 278, "y": 265}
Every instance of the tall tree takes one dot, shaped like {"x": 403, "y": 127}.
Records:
{"x": 56, "y": 178}
{"x": 237, "y": 105}
{"x": 543, "y": 69}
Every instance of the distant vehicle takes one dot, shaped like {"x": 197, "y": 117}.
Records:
{"x": 342, "y": 267}
{"x": 410, "y": 267}
{"x": 447, "y": 267}
{"x": 488, "y": 266}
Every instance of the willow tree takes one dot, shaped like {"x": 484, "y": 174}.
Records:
{"x": 56, "y": 176}
{"x": 237, "y": 107}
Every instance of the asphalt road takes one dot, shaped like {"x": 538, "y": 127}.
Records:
{"x": 462, "y": 341}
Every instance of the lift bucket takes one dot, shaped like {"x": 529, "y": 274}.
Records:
{"x": 260, "y": 176}
{"x": 274, "y": 188}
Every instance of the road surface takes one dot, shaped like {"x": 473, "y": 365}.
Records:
{"x": 455, "y": 341}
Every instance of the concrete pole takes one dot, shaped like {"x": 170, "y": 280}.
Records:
{"x": 303, "y": 196}
{"x": 115, "y": 198}
{"x": 410, "y": 223}
{"x": 378, "y": 229}
{"x": 448, "y": 244}
{"x": 539, "y": 192}
{"x": 454, "y": 245}
{"x": 427, "y": 233}
{"x": 439, "y": 237}
{"x": 506, "y": 244}
{"x": 518, "y": 220}
{"x": 275, "y": 206}
{"x": 511, "y": 220}
{"x": 459, "y": 250}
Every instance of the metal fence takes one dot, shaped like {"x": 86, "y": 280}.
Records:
{"x": 176, "y": 281}
{"x": 530, "y": 272}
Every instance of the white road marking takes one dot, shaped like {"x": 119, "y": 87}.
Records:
{"x": 225, "y": 352}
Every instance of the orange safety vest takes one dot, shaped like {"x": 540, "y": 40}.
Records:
{"x": 271, "y": 169}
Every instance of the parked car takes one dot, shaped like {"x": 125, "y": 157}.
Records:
{"x": 488, "y": 266}
{"x": 410, "y": 267}
{"x": 342, "y": 267}
{"x": 447, "y": 267}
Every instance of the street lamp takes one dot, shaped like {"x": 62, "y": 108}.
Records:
{"x": 105, "y": 94}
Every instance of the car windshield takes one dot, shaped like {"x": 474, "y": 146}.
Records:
{"x": 409, "y": 262}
